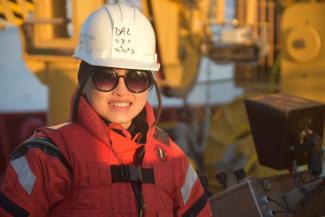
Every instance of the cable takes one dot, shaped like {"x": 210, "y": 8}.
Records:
{"x": 281, "y": 211}
{"x": 279, "y": 204}
{"x": 286, "y": 209}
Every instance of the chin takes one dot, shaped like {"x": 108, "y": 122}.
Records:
{"x": 120, "y": 120}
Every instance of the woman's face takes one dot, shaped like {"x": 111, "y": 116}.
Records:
{"x": 117, "y": 106}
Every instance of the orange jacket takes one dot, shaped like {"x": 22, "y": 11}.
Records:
{"x": 82, "y": 174}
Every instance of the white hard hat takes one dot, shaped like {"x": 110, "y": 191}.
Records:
{"x": 118, "y": 35}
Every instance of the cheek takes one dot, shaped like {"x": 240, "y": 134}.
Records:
{"x": 97, "y": 101}
{"x": 95, "y": 98}
{"x": 141, "y": 100}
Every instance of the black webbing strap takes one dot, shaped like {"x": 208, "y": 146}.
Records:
{"x": 137, "y": 186}
{"x": 196, "y": 208}
{"x": 46, "y": 146}
{"x": 136, "y": 176}
{"x": 137, "y": 189}
{"x": 11, "y": 207}
{"x": 131, "y": 173}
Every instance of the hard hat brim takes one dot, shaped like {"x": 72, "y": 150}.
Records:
{"x": 120, "y": 63}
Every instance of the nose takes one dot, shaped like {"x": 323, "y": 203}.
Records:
{"x": 121, "y": 88}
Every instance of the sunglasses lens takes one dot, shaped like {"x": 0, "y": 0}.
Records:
{"x": 138, "y": 81}
{"x": 105, "y": 79}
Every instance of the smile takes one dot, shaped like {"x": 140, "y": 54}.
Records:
{"x": 120, "y": 104}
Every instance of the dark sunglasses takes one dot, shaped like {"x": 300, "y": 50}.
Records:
{"x": 106, "y": 79}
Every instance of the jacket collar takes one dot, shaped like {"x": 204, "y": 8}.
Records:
{"x": 92, "y": 122}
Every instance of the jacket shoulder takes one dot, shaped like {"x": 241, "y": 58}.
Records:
{"x": 60, "y": 126}
{"x": 56, "y": 131}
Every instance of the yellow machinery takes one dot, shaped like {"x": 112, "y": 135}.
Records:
{"x": 17, "y": 11}
{"x": 180, "y": 29}
{"x": 49, "y": 36}
{"x": 303, "y": 56}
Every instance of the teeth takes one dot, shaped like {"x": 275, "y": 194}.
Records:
{"x": 120, "y": 104}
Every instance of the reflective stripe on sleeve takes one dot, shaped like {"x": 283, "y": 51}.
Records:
{"x": 190, "y": 179}
{"x": 25, "y": 175}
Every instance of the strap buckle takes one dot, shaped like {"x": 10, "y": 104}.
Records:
{"x": 131, "y": 173}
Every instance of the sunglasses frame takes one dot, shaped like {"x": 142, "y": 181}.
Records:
{"x": 113, "y": 70}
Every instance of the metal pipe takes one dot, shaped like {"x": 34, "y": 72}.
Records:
{"x": 58, "y": 20}
{"x": 220, "y": 12}
{"x": 251, "y": 14}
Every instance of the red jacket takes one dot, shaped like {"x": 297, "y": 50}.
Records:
{"x": 74, "y": 169}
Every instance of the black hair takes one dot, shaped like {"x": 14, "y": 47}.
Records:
{"x": 84, "y": 73}
{"x": 158, "y": 93}
{"x": 83, "y": 76}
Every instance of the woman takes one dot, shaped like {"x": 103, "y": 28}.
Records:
{"x": 110, "y": 160}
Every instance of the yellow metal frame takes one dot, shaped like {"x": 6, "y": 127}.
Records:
{"x": 57, "y": 71}
{"x": 48, "y": 34}
{"x": 16, "y": 12}
{"x": 179, "y": 31}
{"x": 303, "y": 56}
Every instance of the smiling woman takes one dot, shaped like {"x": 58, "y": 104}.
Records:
{"x": 110, "y": 159}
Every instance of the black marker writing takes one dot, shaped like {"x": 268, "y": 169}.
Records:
{"x": 122, "y": 31}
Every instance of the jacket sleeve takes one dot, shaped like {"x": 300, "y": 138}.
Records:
{"x": 35, "y": 180}
{"x": 190, "y": 199}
